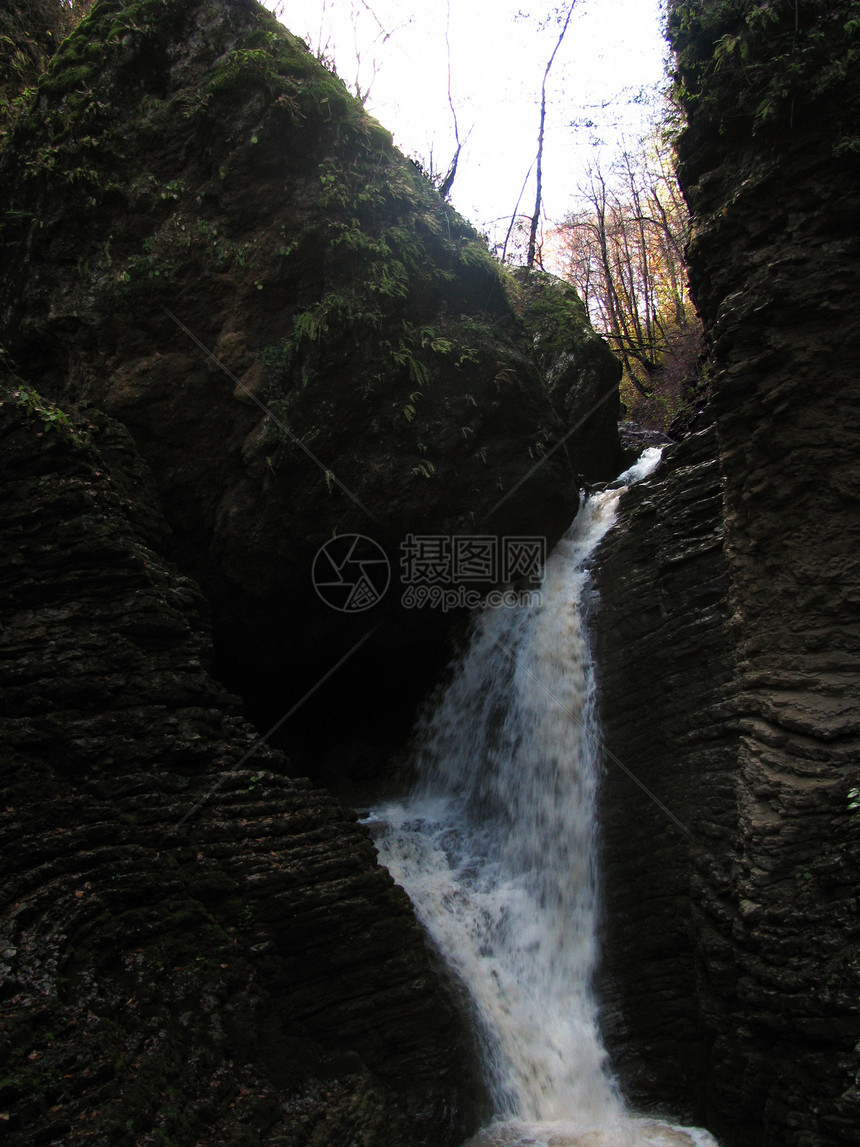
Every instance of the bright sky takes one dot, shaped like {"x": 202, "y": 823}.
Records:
{"x": 612, "y": 51}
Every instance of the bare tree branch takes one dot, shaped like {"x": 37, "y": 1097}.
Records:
{"x": 530, "y": 257}
{"x": 448, "y": 182}
{"x": 516, "y": 211}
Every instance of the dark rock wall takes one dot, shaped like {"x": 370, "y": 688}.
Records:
{"x": 193, "y": 946}
{"x": 658, "y": 614}
{"x": 762, "y": 971}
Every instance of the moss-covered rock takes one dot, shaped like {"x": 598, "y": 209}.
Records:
{"x": 30, "y": 33}
{"x": 191, "y": 172}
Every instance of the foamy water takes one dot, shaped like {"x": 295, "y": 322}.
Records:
{"x": 630, "y": 1131}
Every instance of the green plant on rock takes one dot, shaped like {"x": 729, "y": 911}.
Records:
{"x": 281, "y": 410}
{"x": 403, "y": 356}
{"x": 435, "y": 343}
{"x": 277, "y": 357}
{"x": 761, "y": 62}
{"x": 174, "y": 189}
{"x": 143, "y": 275}
{"x": 51, "y": 416}
{"x": 311, "y": 325}
{"x": 30, "y": 35}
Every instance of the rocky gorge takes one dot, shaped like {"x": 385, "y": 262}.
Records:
{"x": 237, "y": 322}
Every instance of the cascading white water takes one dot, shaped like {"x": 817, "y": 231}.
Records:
{"x": 495, "y": 847}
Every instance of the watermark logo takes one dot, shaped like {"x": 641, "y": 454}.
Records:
{"x": 447, "y": 597}
{"x": 467, "y": 559}
{"x": 444, "y": 572}
{"x": 440, "y": 571}
{"x": 351, "y": 573}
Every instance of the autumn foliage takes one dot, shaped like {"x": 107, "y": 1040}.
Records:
{"x": 623, "y": 250}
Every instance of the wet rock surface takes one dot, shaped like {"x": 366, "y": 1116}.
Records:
{"x": 198, "y": 945}
{"x": 193, "y": 945}
{"x": 658, "y": 613}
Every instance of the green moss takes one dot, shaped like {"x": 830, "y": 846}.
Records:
{"x": 273, "y": 58}
{"x": 381, "y": 274}
{"x": 392, "y": 253}
{"x": 62, "y": 80}
{"x": 550, "y": 306}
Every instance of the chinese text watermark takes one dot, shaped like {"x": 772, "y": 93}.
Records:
{"x": 352, "y": 573}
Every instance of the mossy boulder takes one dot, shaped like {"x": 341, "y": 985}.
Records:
{"x": 206, "y": 236}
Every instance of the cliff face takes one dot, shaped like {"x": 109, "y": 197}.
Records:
{"x": 193, "y": 946}
{"x": 751, "y": 738}
{"x": 190, "y": 171}
{"x": 663, "y": 656}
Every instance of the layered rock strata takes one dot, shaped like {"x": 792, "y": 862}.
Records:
{"x": 658, "y": 613}
{"x": 261, "y": 327}
{"x": 194, "y": 948}
{"x": 760, "y": 950}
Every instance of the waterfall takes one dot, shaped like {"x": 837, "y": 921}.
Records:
{"x": 496, "y": 848}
